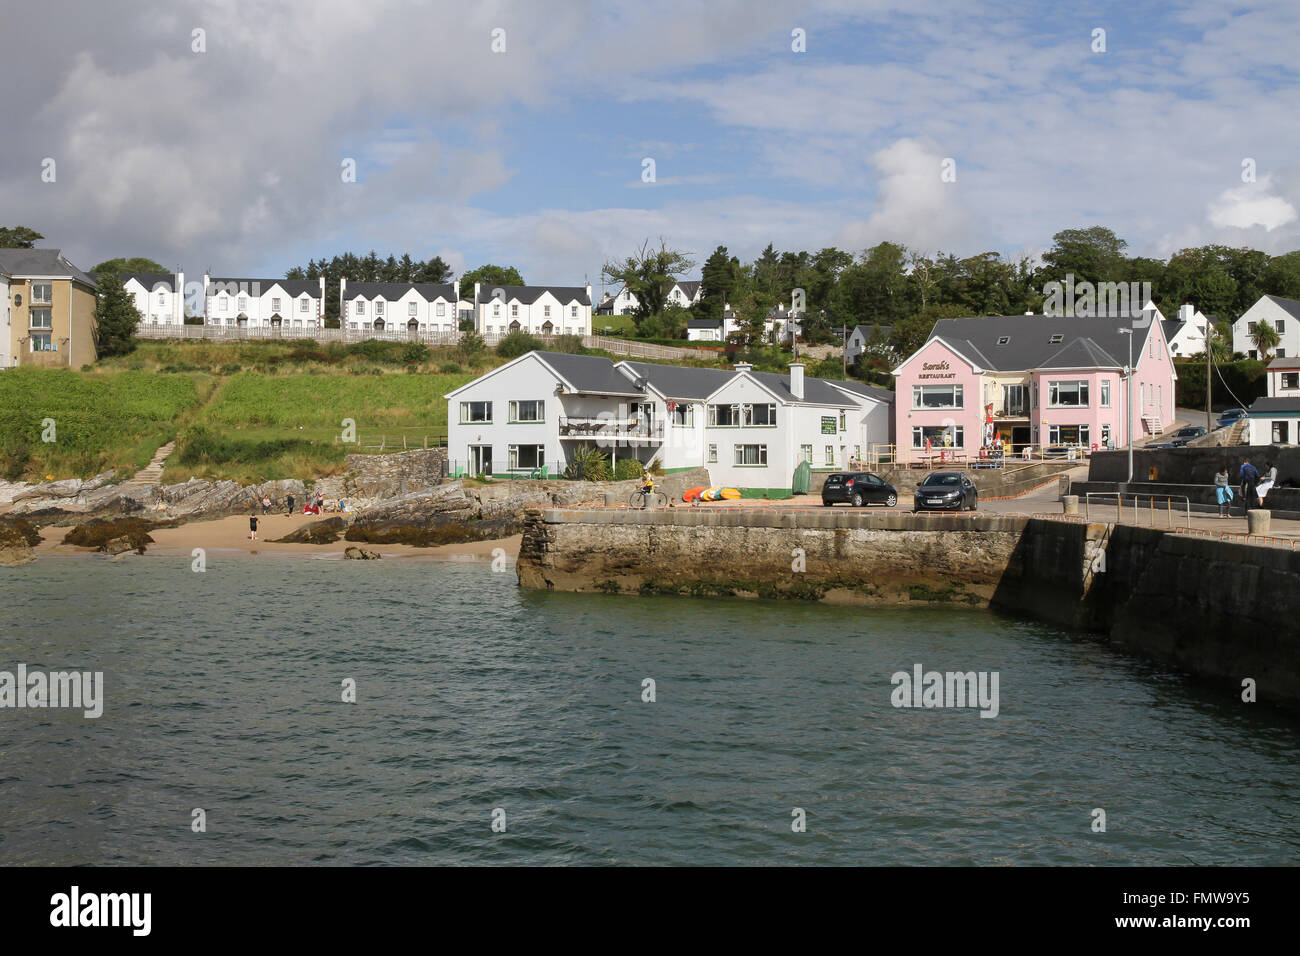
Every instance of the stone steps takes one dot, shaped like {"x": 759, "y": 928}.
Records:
{"x": 151, "y": 474}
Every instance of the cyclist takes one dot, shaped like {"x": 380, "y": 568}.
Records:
{"x": 647, "y": 484}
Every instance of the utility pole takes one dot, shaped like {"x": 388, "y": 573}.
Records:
{"x": 1128, "y": 401}
{"x": 1209, "y": 424}
{"x": 844, "y": 337}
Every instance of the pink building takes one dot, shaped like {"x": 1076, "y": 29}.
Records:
{"x": 1032, "y": 380}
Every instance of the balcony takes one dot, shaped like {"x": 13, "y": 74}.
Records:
{"x": 611, "y": 429}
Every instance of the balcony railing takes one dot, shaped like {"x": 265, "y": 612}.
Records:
{"x": 610, "y": 428}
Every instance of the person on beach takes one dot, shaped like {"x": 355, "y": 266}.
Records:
{"x": 1249, "y": 479}
{"x": 266, "y": 504}
{"x": 1270, "y": 479}
{"x": 252, "y": 528}
{"x": 289, "y": 509}
{"x": 1223, "y": 491}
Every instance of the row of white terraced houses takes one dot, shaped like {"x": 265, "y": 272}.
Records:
{"x": 425, "y": 309}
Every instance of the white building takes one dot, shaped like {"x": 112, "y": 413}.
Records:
{"x": 712, "y": 330}
{"x": 159, "y": 296}
{"x": 861, "y": 338}
{"x": 423, "y": 308}
{"x": 6, "y": 323}
{"x": 750, "y": 429}
{"x": 1186, "y": 334}
{"x": 1282, "y": 314}
{"x": 264, "y": 303}
{"x": 1274, "y": 419}
{"x": 535, "y": 309}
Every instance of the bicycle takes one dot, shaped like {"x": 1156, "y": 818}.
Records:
{"x": 640, "y": 499}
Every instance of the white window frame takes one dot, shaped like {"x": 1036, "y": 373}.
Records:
{"x": 739, "y": 452}
{"x": 1081, "y": 388}
{"x": 512, "y": 457}
{"x": 466, "y": 409}
{"x": 919, "y": 392}
{"x": 512, "y": 410}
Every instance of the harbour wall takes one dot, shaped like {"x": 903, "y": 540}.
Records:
{"x": 1219, "y": 609}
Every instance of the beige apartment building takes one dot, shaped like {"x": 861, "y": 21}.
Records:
{"x": 51, "y": 310}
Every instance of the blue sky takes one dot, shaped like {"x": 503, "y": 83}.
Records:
{"x": 229, "y": 157}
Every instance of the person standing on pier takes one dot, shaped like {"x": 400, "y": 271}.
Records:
{"x": 1223, "y": 491}
{"x": 1249, "y": 480}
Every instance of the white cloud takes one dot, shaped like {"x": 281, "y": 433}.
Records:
{"x": 1250, "y": 205}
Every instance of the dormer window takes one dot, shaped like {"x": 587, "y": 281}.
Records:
{"x": 1003, "y": 340}
{"x": 1056, "y": 339}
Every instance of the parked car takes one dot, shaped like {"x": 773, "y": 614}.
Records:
{"x": 1185, "y": 435}
{"x": 858, "y": 488}
{"x": 946, "y": 491}
{"x": 1229, "y": 417}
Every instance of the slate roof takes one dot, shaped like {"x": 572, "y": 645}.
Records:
{"x": 676, "y": 381}
{"x": 1265, "y": 405}
{"x": 862, "y": 388}
{"x": 590, "y": 373}
{"x": 296, "y": 287}
{"x": 528, "y": 294}
{"x": 1284, "y": 363}
{"x": 392, "y": 291}
{"x": 1171, "y": 327}
{"x": 704, "y": 323}
{"x": 152, "y": 280}
{"x": 816, "y": 391}
{"x": 22, "y": 263}
{"x": 1085, "y": 342}
{"x": 689, "y": 287}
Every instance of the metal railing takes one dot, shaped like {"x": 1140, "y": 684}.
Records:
{"x": 609, "y": 428}
{"x": 1150, "y": 510}
{"x": 402, "y": 442}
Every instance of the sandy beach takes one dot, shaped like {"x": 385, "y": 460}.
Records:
{"x": 230, "y": 536}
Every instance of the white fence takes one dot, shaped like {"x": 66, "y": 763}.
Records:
{"x": 233, "y": 333}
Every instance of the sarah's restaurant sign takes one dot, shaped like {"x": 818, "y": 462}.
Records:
{"x": 936, "y": 370}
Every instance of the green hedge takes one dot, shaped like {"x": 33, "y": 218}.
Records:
{"x": 1246, "y": 378}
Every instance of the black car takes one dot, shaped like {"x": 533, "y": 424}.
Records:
{"x": 946, "y": 491}
{"x": 1184, "y": 435}
{"x": 858, "y": 488}
{"x": 1229, "y": 417}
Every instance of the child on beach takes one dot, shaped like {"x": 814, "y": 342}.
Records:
{"x": 289, "y": 510}
{"x": 252, "y": 528}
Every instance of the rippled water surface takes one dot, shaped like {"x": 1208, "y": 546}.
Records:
{"x": 224, "y": 692}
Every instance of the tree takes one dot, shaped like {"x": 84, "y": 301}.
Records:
{"x": 116, "y": 318}
{"x": 1265, "y": 338}
{"x": 18, "y": 237}
{"x": 437, "y": 272}
{"x": 1282, "y": 277}
{"x": 490, "y": 276}
{"x": 649, "y": 274}
{"x": 129, "y": 266}
{"x": 1094, "y": 254}
{"x": 718, "y": 281}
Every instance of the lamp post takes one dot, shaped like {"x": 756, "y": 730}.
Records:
{"x": 1128, "y": 401}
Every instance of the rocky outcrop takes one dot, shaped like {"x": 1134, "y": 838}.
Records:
{"x": 317, "y": 532}
{"x": 17, "y": 539}
{"x": 391, "y": 476}
{"x": 190, "y": 499}
{"x": 360, "y": 554}
{"x": 114, "y": 535}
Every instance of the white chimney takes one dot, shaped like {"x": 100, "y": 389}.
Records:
{"x": 455, "y": 292}
{"x": 743, "y": 366}
{"x": 796, "y": 380}
{"x": 1185, "y": 312}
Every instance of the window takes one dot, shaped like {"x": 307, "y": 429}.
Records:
{"x": 1291, "y": 379}
{"x": 410, "y": 308}
{"x": 843, "y": 421}
{"x": 573, "y": 312}
{"x": 304, "y": 304}
{"x": 546, "y": 311}
{"x": 830, "y": 455}
{"x": 936, "y": 396}
{"x": 162, "y": 298}
{"x": 1250, "y": 327}
{"x": 1105, "y": 436}
{"x": 41, "y": 318}
{"x": 1004, "y": 340}
{"x": 225, "y": 304}
{"x": 724, "y": 416}
{"x": 939, "y": 436}
{"x": 275, "y": 304}
{"x": 1068, "y": 435}
{"x": 805, "y": 453}
{"x": 1281, "y": 433}
{"x": 379, "y": 307}
{"x": 41, "y": 291}
{"x": 475, "y": 412}
{"x": 751, "y": 455}
{"x": 527, "y": 411}
{"x": 713, "y": 454}
{"x": 1067, "y": 394}
{"x": 514, "y": 310}
{"x": 526, "y": 456}
{"x": 361, "y": 308}
{"x": 442, "y": 309}
{"x": 1105, "y": 394}
{"x": 1279, "y": 353}
{"x": 1280, "y": 325}
{"x": 1014, "y": 400}
{"x": 683, "y": 414}
{"x": 760, "y": 414}
{"x": 43, "y": 343}
{"x": 243, "y": 303}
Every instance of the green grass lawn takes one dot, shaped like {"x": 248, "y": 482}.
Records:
{"x": 100, "y": 420}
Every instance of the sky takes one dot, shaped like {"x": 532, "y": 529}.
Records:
{"x": 518, "y": 133}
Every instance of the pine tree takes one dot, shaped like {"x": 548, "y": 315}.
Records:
{"x": 116, "y": 318}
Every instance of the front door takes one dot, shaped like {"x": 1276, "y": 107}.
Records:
{"x": 480, "y": 459}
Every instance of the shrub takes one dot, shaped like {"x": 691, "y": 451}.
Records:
{"x": 231, "y": 369}
{"x": 518, "y": 343}
{"x": 627, "y": 468}
{"x": 450, "y": 368}
{"x": 568, "y": 343}
{"x": 471, "y": 344}
{"x": 590, "y": 464}
{"x": 415, "y": 353}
